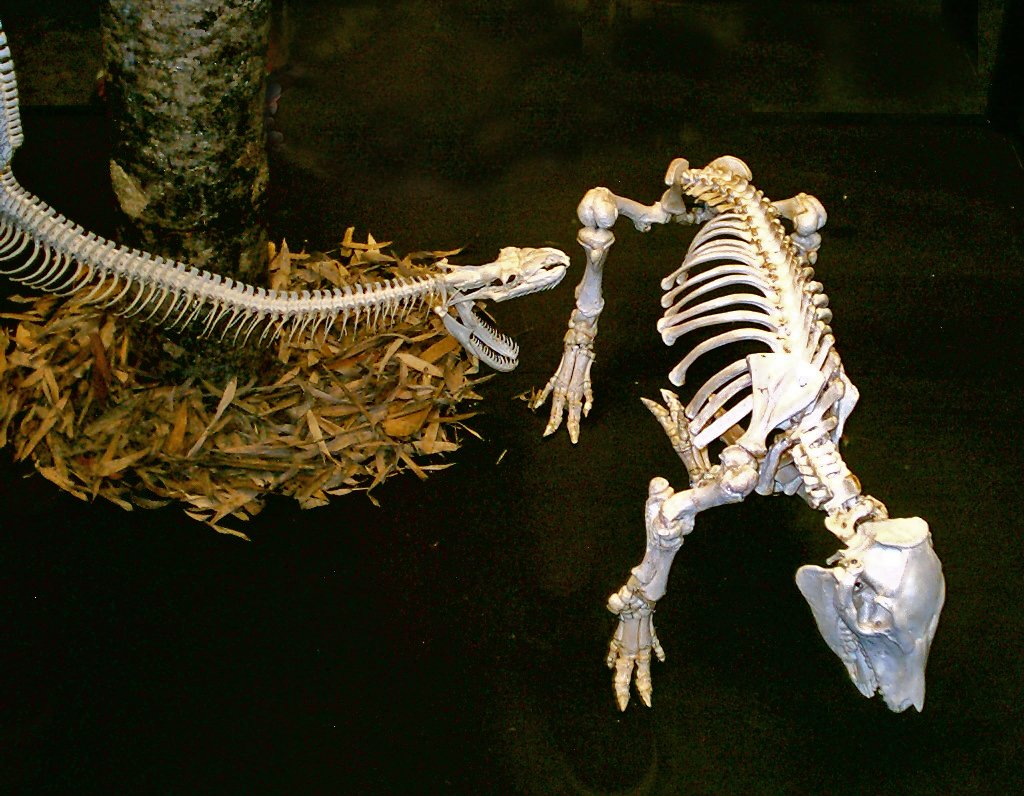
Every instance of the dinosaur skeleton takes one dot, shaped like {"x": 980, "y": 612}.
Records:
{"x": 53, "y": 254}
{"x": 779, "y": 415}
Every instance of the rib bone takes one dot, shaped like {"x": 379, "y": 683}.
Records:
{"x": 68, "y": 260}
{"x": 779, "y": 413}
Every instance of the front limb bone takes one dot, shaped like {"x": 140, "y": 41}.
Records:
{"x": 669, "y": 517}
{"x": 570, "y": 386}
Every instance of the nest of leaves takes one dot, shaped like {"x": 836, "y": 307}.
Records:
{"x": 335, "y": 415}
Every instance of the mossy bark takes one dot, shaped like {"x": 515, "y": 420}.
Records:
{"x": 189, "y": 164}
{"x": 186, "y": 91}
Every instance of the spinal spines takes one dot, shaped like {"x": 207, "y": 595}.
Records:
{"x": 65, "y": 259}
{"x": 748, "y": 249}
{"x": 828, "y": 482}
{"x": 11, "y": 135}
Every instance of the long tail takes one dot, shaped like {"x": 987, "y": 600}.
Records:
{"x": 53, "y": 254}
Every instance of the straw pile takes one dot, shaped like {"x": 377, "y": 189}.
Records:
{"x": 334, "y": 415}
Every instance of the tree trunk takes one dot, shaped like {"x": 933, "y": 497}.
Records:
{"x": 189, "y": 163}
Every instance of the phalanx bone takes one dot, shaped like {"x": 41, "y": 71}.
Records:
{"x": 777, "y": 415}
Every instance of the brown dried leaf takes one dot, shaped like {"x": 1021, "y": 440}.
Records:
{"x": 225, "y": 401}
{"x": 404, "y": 425}
{"x": 280, "y": 267}
{"x": 51, "y": 418}
{"x": 443, "y": 346}
{"x": 316, "y": 433}
{"x": 431, "y": 447}
{"x": 176, "y": 439}
{"x": 115, "y": 467}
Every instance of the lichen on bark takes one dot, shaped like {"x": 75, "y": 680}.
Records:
{"x": 188, "y": 163}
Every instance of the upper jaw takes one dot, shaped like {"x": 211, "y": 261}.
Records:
{"x": 535, "y": 270}
{"x": 552, "y": 275}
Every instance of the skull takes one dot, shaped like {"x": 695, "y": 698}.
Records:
{"x": 516, "y": 272}
{"x": 879, "y": 607}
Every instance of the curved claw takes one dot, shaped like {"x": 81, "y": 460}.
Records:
{"x": 672, "y": 417}
{"x": 570, "y": 390}
{"x": 631, "y": 647}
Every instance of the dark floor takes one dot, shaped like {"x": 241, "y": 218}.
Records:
{"x": 453, "y": 640}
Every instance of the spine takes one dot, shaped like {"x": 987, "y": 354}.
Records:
{"x": 11, "y": 136}
{"x": 828, "y": 482}
{"x": 802, "y": 302}
{"x": 63, "y": 258}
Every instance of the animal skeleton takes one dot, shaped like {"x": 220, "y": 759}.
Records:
{"x": 878, "y": 608}
{"x": 65, "y": 259}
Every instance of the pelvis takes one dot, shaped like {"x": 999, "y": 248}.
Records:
{"x": 878, "y": 608}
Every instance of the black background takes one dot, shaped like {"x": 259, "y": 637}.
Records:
{"x": 453, "y": 639}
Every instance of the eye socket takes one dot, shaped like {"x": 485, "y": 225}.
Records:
{"x": 858, "y": 586}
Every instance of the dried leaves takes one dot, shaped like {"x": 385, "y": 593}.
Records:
{"x": 337, "y": 415}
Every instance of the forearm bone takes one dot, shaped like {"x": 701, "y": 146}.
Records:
{"x": 570, "y": 387}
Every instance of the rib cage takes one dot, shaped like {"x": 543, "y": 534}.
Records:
{"x": 742, "y": 272}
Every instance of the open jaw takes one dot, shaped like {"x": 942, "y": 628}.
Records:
{"x": 477, "y": 336}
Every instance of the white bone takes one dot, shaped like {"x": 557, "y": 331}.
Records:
{"x": 74, "y": 261}
{"x": 798, "y": 392}
{"x": 718, "y": 400}
{"x": 715, "y": 383}
{"x": 14, "y": 249}
{"x": 678, "y": 374}
{"x": 723, "y": 423}
{"x": 671, "y": 332}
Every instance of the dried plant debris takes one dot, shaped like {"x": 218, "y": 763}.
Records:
{"x": 337, "y": 414}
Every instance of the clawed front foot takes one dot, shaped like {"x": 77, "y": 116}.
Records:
{"x": 570, "y": 388}
{"x": 632, "y": 644}
{"x": 672, "y": 417}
